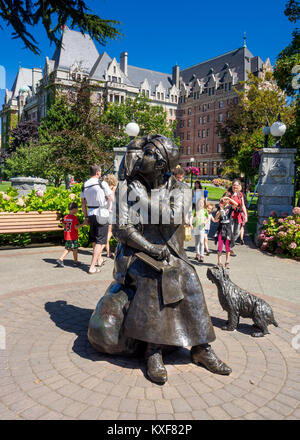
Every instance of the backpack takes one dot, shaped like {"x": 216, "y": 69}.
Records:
{"x": 102, "y": 214}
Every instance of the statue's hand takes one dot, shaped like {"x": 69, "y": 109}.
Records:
{"x": 160, "y": 252}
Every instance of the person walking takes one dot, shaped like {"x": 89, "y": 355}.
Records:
{"x": 224, "y": 233}
{"x": 95, "y": 198}
{"x": 205, "y": 194}
{"x": 71, "y": 226}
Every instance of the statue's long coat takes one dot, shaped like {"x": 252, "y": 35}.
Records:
{"x": 185, "y": 323}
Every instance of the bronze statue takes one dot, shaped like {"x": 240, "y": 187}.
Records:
{"x": 156, "y": 298}
{"x": 238, "y": 302}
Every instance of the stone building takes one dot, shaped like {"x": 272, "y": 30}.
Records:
{"x": 78, "y": 58}
{"x": 206, "y": 92}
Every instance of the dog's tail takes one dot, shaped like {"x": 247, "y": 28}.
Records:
{"x": 275, "y": 322}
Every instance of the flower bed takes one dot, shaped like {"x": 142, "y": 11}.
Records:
{"x": 222, "y": 182}
{"x": 281, "y": 235}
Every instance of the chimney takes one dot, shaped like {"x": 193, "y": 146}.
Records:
{"x": 36, "y": 76}
{"x": 124, "y": 62}
{"x": 175, "y": 76}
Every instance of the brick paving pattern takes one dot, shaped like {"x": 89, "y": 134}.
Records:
{"x": 48, "y": 369}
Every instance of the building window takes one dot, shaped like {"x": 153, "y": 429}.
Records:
{"x": 235, "y": 100}
{"x": 198, "y": 149}
{"x": 225, "y": 88}
{"x": 205, "y": 168}
{"x": 200, "y": 120}
{"x": 219, "y": 148}
{"x": 220, "y": 104}
{"x": 189, "y": 111}
{"x": 208, "y": 118}
{"x": 220, "y": 118}
{"x": 214, "y": 168}
{"x": 115, "y": 70}
{"x": 188, "y": 150}
{"x": 229, "y": 86}
{"x": 207, "y": 132}
{"x": 207, "y": 148}
{"x": 203, "y": 133}
{"x": 198, "y": 95}
{"x": 199, "y": 133}
{"x": 181, "y": 123}
{"x": 204, "y": 108}
{"x": 162, "y": 96}
{"x": 227, "y": 115}
{"x": 188, "y": 136}
{"x": 158, "y": 95}
{"x": 189, "y": 123}
{"x": 202, "y": 148}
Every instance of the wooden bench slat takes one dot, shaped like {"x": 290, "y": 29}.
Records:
{"x": 32, "y": 221}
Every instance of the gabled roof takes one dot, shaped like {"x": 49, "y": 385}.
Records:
{"x": 236, "y": 60}
{"x": 137, "y": 75}
{"x": 24, "y": 77}
{"x": 75, "y": 47}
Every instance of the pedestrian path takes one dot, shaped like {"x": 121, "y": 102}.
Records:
{"x": 48, "y": 370}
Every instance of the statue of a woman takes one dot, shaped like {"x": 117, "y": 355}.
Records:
{"x": 165, "y": 305}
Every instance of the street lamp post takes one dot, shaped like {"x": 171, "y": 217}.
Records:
{"x": 266, "y": 132}
{"x": 192, "y": 161}
{"x": 277, "y": 130}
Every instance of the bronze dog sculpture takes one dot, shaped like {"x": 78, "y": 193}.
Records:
{"x": 238, "y": 302}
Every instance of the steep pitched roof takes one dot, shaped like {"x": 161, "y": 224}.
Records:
{"x": 238, "y": 61}
{"x": 24, "y": 77}
{"x": 75, "y": 47}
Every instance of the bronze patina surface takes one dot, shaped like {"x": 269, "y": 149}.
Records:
{"x": 157, "y": 297}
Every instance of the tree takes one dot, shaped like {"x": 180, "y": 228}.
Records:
{"x": 151, "y": 119}
{"x": 287, "y": 75}
{"x": 24, "y": 133}
{"x": 260, "y": 101}
{"x": 54, "y": 14}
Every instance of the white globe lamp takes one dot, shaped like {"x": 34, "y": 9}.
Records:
{"x": 132, "y": 129}
{"x": 277, "y": 130}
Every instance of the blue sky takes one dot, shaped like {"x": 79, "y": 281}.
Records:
{"x": 158, "y": 34}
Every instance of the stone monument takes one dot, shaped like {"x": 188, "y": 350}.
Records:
{"x": 276, "y": 189}
{"x": 24, "y": 185}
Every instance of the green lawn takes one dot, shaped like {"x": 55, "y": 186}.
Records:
{"x": 214, "y": 193}
{"x": 4, "y": 186}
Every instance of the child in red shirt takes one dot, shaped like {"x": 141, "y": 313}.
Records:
{"x": 71, "y": 226}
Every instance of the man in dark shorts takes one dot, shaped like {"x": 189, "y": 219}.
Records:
{"x": 96, "y": 194}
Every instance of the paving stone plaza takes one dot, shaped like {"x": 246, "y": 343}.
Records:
{"x": 48, "y": 369}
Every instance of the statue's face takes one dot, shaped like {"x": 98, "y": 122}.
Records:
{"x": 150, "y": 158}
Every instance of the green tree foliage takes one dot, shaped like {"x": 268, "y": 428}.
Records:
{"x": 23, "y": 15}
{"x": 287, "y": 75}
{"x": 260, "y": 101}
{"x": 151, "y": 119}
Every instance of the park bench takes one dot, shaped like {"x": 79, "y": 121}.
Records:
{"x": 33, "y": 221}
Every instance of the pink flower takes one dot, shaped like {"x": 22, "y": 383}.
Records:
{"x": 292, "y": 222}
{"x": 39, "y": 193}
{"x": 280, "y": 220}
{"x": 296, "y": 210}
{"x": 265, "y": 222}
{"x": 293, "y": 245}
{"x": 280, "y": 244}
{"x": 72, "y": 196}
{"x": 264, "y": 245}
{"x": 271, "y": 238}
{"x": 281, "y": 234}
{"x": 281, "y": 227}
{"x": 261, "y": 236}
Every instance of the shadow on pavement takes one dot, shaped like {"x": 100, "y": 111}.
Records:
{"x": 75, "y": 319}
{"x": 247, "y": 329}
{"x": 68, "y": 263}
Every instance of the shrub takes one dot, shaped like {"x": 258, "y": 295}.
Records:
{"x": 281, "y": 235}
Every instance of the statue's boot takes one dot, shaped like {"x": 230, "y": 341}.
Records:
{"x": 203, "y": 354}
{"x": 155, "y": 367}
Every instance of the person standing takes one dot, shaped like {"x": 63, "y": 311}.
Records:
{"x": 197, "y": 193}
{"x": 198, "y": 222}
{"x": 205, "y": 194}
{"x": 239, "y": 214}
{"x": 96, "y": 196}
{"x": 113, "y": 183}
